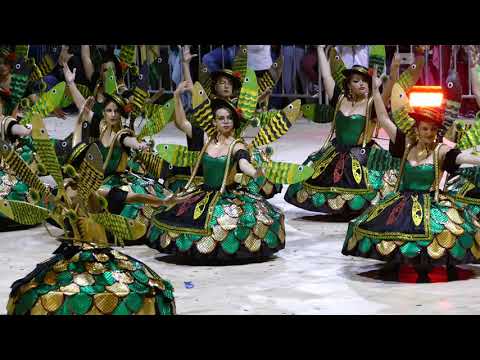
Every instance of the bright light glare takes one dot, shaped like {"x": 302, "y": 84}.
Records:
{"x": 426, "y": 99}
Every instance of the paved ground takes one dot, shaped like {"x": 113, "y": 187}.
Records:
{"x": 310, "y": 276}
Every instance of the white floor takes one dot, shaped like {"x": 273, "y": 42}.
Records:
{"x": 310, "y": 276}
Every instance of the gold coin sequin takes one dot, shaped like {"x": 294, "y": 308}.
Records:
{"x": 118, "y": 289}
{"x": 94, "y": 311}
{"x": 302, "y": 196}
{"x": 435, "y": 250}
{"x": 454, "y": 228}
{"x": 95, "y": 268}
{"x": 227, "y": 222}
{"x": 38, "y": 309}
{"x": 386, "y": 247}
{"x": 105, "y": 302}
{"x": 260, "y": 230}
{"x": 50, "y": 278}
{"x": 454, "y": 216}
{"x": 156, "y": 283}
{"x": 52, "y": 301}
{"x": 336, "y": 203}
{"x": 122, "y": 277}
{"x": 28, "y": 286}
{"x": 206, "y": 245}
{"x": 281, "y": 235}
{"x": 477, "y": 237}
{"x": 148, "y": 307}
{"x": 125, "y": 265}
{"x": 399, "y": 242}
{"x": 164, "y": 240}
{"x": 60, "y": 266}
{"x": 118, "y": 255}
{"x": 101, "y": 257}
{"x": 347, "y": 196}
{"x": 75, "y": 257}
{"x": 352, "y": 242}
{"x": 84, "y": 279}
{"x": 446, "y": 239}
{"x": 253, "y": 243}
{"x": 233, "y": 211}
{"x": 70, "y": 290}
{"x": 475, "y": 251}
{"x": 264, "y": 219}
{"x": 218, "y": 233}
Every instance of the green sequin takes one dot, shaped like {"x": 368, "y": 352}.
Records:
{"x": 357, "y": 202}
{"x": 26, "y": 302}
{"x": 248, "y": 219}
{"x": 64, "y": 278}
{"x": 162, "y": 308}
{"x": 241, "y": 232}
{"x": 294, "y": 188}
{"x": 76, "y": 267}
{"x": 365, "y": 245}
{"x": 424, "y": 243}
{"x": 410, "y": 249}
{"x": 80, "y": 303}
{"x": 230, "y": 245}
{"x": 466, "y": 240}
{"x": 86, "y": 256}
{"x": 318, "y": 199}
{"x": 121, "y": 309}
{"x": 458, "y": 251}
{"x": 438, "y": 216}
{"x": 140, "y": 276}
{"x": 183, "y": 242}
{"x": 275, "y": 227}
{"x": 109, "y": 279}
{"x": 43, "y": 289}
{"x": 63, "y": 309}
{"x": 331, "y": 195}
{"x": 90, "y": 290}
{"x": 134, "y": 302}
{"x": 138, "y": 288}
{"x": 271, "y": 239}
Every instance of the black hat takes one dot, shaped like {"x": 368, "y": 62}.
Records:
{"x": 236, "y": 114}
{"x": 357, "y": 69}
{"x": 235, "y": 77}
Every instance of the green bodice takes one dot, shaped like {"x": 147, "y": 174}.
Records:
{"x": 417, "y": 178}
{"x": 213, "y": 170}
{"x": 114, "y": 160}
{"x": 349, "y": 128}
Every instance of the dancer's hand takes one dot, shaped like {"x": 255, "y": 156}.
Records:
{"x": 69, "y": 75}
{"x": 187, "y": 56}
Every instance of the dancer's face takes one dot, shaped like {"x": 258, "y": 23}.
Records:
{"x": 111, "y": 113}
{"x": 427, "y": 132}
{"x": 224, "y": 121}
{"x": 359, "y": 85}
{"x": 224, "y": 87}
{"x": 4, "y": 67}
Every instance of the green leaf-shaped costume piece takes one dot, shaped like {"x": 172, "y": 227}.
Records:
{"x": 23, "y": 212}
{"x": 336, "y": 67}
{"x": 376, "y": 57}
{"x": 247, "y": 101}
{"x": 110, "y": 85}
{"x": 46, "y": 103}
{"x": 158, "y": 117}
{"x": 177, "y": 155}
{"x": 319, "y": 113}
{"x": 287, "y": 173}
{"x": 240, "y": 61}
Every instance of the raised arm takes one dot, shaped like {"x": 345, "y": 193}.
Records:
{"x": 382, "y": 115}
{"x": 181, "y": 121}
{"x": 87, "y": 62}
{"x": 186, "y": 58}
{"x": 78, "y": 98}
{"x": 393, "y": 78}
{"x": 328, "y": 81}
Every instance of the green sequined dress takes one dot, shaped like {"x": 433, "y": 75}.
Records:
{"x": 215, "y": 227}
{"x": 82, "y": 279}
{"x": 412, "y": 226}
{"x": 341, "y": 184}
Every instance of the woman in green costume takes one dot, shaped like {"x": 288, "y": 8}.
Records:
{"x": 16, "y": 136}
{"x": 419, "y": 231}
{"x": 341, "y": 185}
{"x": 128, "y": 194}
{"x": 222, "y": 222}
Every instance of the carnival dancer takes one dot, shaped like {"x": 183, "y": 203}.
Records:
{"x": 419, "y": 231}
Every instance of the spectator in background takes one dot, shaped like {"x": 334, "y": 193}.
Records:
{"x": 353, "y": 55}
{"x": 259, "y": 58}
{"x": 213, "y": 59}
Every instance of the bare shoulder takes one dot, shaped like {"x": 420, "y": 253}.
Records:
{"x": 239, "y": 146}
